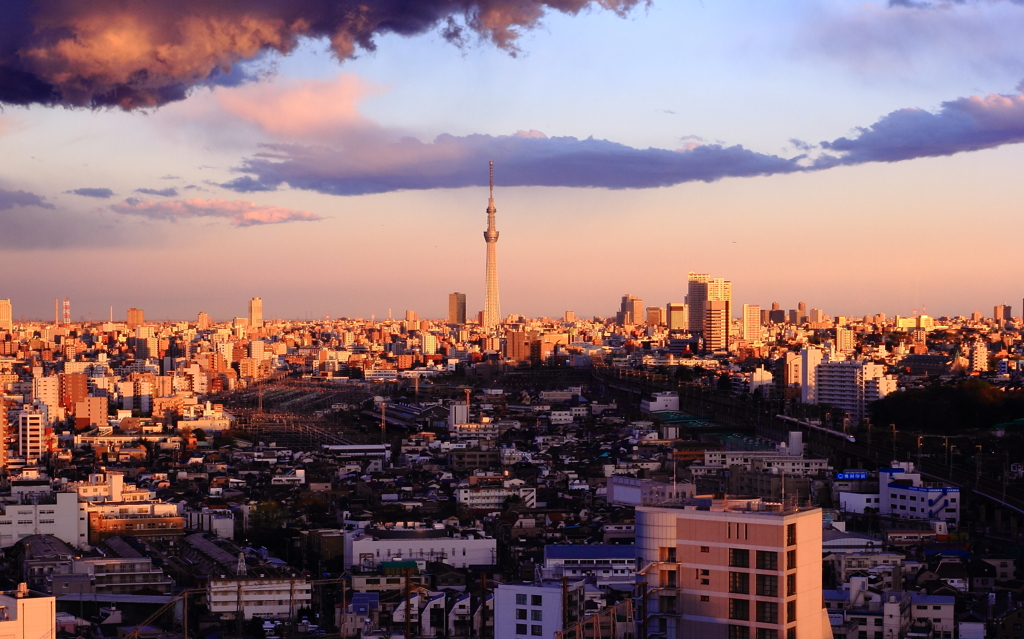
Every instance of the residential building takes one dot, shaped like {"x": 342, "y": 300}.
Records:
{"x": 851, "y": 386}
{"x": 256, "y": 313}
{"x": 716, "y": 325}
{"x": 537, "y": 609}
{"x": 136, "y": 317}
{"x": 751, "y": 323}
{"x": 6, "y": 316}
{"x": 607, "y": 564}
{"x": 730, "y": 568}
{"x": 457, "y": 308}
{"x": 27, "y": 614}
{"x": 368, "y": 548}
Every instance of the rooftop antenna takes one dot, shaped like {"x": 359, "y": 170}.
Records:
{"x": 240, "y": 570}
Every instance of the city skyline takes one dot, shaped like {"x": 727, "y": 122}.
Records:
{"x": 716, "y": 152}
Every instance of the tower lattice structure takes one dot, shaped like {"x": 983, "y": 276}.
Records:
{"x": 492, "y": 308}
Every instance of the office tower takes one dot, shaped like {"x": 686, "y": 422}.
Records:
{"x": 31, "y": 434}
{"x": 6, "y": 316}
{"x": 256, "y": 312}
{"x": 716, "y": 325}
{"x": 570, "y": 316}
{"x": 678, "y": 316}
{"x": 655, "y": 316}
{"x": 136, "y": 317}
{"x": 1002, "y": 313}
{"x": 492, "y": 308}
{"x": 751, "y": 322}
{"x": 731, "y": 568}
{"x": 631, "y": 310}
{"x": 976, "y": 316}
{"x": 696, "y": 295}
{"x": 203, "y": 322}
{"x": 811, "y": 357}
{"x": 802, "y": 311}
{"x": 777, "y": 315}
{"x": 775, "y": 306}
{"x": 411, "y": 316}
{"x": 851, "y": 386}
{"x": 457, "y": 308}
{"x": 844, "y": 340}
{"x": 794, "y": 316}
{"x": 538, "y": 609}
{"x": 817, "y": 315}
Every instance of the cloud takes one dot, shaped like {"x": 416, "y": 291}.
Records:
{"x": 133, "y": 54}
{"x": 964, "y": 124}
{"x": 10, "y": 199}
{"x": 237, "y": 212}
{"x": 451, "y": 162}
{"x": 101, "y": 193}
{"x": 168, "y": 192}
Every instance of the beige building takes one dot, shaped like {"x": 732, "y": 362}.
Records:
{"x": 26, "y": 614}
{"x": 732, "y": 569}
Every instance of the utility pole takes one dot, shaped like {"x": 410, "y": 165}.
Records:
{"x": 408, "y": 610}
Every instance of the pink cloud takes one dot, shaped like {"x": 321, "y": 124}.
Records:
{"x": 237, "y": 212}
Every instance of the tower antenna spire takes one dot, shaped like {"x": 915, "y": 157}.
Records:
{"x": 491, "y": 181}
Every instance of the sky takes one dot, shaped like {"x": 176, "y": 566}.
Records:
{"x": 331, "y": 156}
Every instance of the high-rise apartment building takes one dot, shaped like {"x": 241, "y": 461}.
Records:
{"x": 203, "y": 322}
{"x": 457, "y": 308}
{"x": 6, "y": 316}
{"x": 678, "y": 316}
{"x": 731, "y": 569}
{"x": 256, "y": 313}
{"x": 810, "y": 358}
{"x": 751, "y": 322}
{"x": 851, "y": 386}
{"x": 716, "y": 325}
{"x": 570, "y": 317}
{"x": 702, "y": 288}
{"x": 31, "y": 437}
{"x": 844, "y": 340}
{"x": 136, "y": 317}
{"x": 492, "y": 308}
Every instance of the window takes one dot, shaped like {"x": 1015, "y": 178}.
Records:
{"x": 767, "y": 560}
{"x": 704, "y": 572}
{"x": 766, "y": 633}
{"x": 739, "y": 609}
{"x": 537, "y": 631}
{"x": 536, "y": 600}
{"x": 790, "y": 585}
{"x": 739, "y": 632}
{"x": 791, "y": 534}
{"x": 705, "y": 549}
{"x": 520, "y": 613}
{"x": 739, "y": 558}
{"x": 705, "y": 598}
{"x": 767, "y": 611}
{"x": 790, "y": 559}
{"x": 667, "y": 554}
{"x": 936, "y": 607}
{"x": 739, "y": 583}
{"x": 767, "y": 585}
{"x": 791, "y": 612}
{"x": 536, "y": 615}
{"x": 520, "y": 600}
{"x": 520, "y": 628}
{"x": 791, "y": 633}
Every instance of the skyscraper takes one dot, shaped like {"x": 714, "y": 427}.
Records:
{"x": 203, "y": 322}
{"x": 492, "y": 309}
{"x": 631, "y": 311}
{"x": 136, "y": 317}
{"x": 678, "y": 316}
{"x": 703, "y": 288}
{"x": 716, "y": 325}
{"x": 6, "y": 316}
{"x": 751, "y": 322}
{"x": 655, "y": 316}
{"x": 256, "y": 313}
{"x": 457, "y": 308}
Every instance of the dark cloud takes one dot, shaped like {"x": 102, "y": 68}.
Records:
{"x": 526, "y": 159}
{"x": 139, "y": 53}
{"x": 168, "y": 192}
{"x": 964, "y": 124}
{"x": 10, "y": 199}
{"x": 100, "y": 193}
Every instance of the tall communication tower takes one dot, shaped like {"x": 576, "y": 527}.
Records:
{"x": 67, "y": 312}
{"x": 492, "y": 309}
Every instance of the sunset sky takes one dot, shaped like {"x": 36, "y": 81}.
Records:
{"x": 858, "y": 156}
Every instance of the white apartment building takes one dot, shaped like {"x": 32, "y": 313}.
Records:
{"x": 538, "y": 609}
{"x": 31, "y": 435}
{"x": 607, "y": 564}
{"x": 668, "y": 400}
{"x": 851, "y": 386}
{"x": 58, "y": 514}
{"x": 493, "y": 497}
{"x": 274, "y": 597}
{"x": 366, "y": 549}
